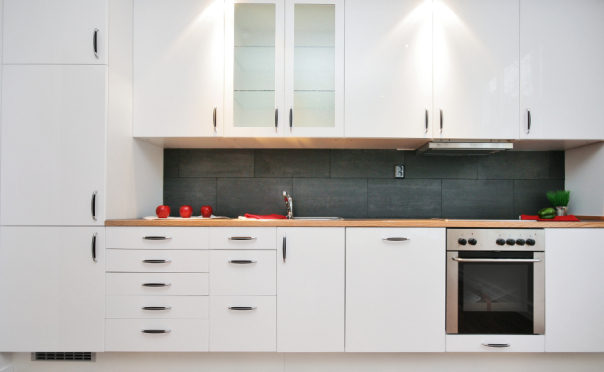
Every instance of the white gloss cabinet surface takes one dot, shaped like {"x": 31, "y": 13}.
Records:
{"x": 55, "y": 31}
{"x": 178, "y": 68}
{"x": 310, "y": 289}
{"x": 156, "y": 260}
{"x": 243, "y": 272}
{"x": 476, "y": 72}
{"x": 150, "y": 237}
{"x": 395, "y": 290}
{"x": 53, "y": 144}
{"x": 388, "y": 69}
{"x": 476, "y": 343}
{"x": 574, "y": 306}
{"x": 52, "y": 289}
{"x": 177, "y": 307}
{"x": 561, "y": 75}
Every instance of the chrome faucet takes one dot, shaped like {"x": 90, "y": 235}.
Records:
{"x": 289, "y": 205}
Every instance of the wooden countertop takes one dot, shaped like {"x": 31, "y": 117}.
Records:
{"x": 586, "y": 223}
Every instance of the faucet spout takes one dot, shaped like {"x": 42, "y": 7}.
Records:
{"x": 289, "y": 205}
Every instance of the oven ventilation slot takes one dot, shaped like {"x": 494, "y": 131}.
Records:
{"x": 64, "y": 356}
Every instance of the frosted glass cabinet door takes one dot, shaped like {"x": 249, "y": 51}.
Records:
{"x": 476, "y": 78}
{"x": 178, "y": 68}
{"x": 388, "y": 69}
{"x": 254, "y": 37}
{"x": 314, "y": 68}
{"x": 561, "y": 74}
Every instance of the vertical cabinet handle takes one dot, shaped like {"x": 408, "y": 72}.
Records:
{"x": 94, "y": 248}
{"x": 95, "y": 43}
{"x": 277, "y": 119}
{"x": 284, "y": 247}
{"x": 528, "y": 116}
{"x": 291, "y": 118}
{"x": 441, "y": 120}
{"x": 426, "y": 120}
{"x": 93, "y": 205}
{"x": 214, "y": 119}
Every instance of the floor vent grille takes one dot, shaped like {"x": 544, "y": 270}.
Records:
{"x": 64, "y": 356}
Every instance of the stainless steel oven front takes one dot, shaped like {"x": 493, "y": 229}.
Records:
{"x": 495, "y": 281}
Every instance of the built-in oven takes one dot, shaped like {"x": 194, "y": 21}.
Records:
{"x": 495, "y": 281}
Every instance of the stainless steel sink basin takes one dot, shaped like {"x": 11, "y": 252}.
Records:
{"x": 318, "y": 218}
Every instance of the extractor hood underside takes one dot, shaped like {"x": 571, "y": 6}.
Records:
{"x": 463, "y": 148}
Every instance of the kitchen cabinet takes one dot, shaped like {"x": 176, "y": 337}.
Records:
{"x": 476, "y": 72}
{"x": 178, "y": 52}
{"x": 561, "y": 77}
{"x": 52, "y": 288}
{"x": 310, "y": 289}
{"x": 284, "y": 68}
{"x": 573, "y": 306}
{"x": 53, "y": 144}
{"x": 388, "y": 69}
{"x": 395, "y": 290}
{"x": 55, "y": 32}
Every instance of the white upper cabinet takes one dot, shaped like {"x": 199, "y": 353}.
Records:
{"x": 561, "y": 74}
{"x": 53, "y": 144}
{"x": 389, "y": 69}
{"x": 55, "y": 32}
{"x": 476, "y": 72}
{"x": 178, "y": 68}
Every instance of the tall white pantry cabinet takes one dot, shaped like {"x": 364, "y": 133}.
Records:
{"x": 54, "y": 97}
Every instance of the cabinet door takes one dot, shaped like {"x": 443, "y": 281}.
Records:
{"x": 561, "y": 74}
{"x": 476, "y": 78}
{"x": 395, "y": 290}
{"x": 53, "y": 292}
{"x": 178, "y": 68}
{"x": 573, "y": 304}
{"x": 314, "y": 68}
{"x": 310, "y": 289}
{"x": 254, "y": 42}
{"x": 389, "y": 69}
{"x": 55, "y": 31}
{"x": 53, "y": 144}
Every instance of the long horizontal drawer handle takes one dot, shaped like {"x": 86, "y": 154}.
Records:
{"x": 242, "y": 238}
{"x": 157, "y": 261}
{"x": 156, "y": 331}
{"x": 496, "y": 260}
{"x": 157, "y": 284}
{"x": 242, "y": 262}
{"x": 157, "y": 237}
{"x": 156, "y": 308}
{"x": 396, "y": 239}
{"x": 496, "y": 345}
{"x": 242, "y": 308}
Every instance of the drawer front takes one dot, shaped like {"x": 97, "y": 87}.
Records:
{"x": 152, "y": 237}
{"x": 243, "y": 238}
{"x": 184, "y": 335}
{"x": 157, "y": 260}
{"x": 180, "y": 284}
{"x": 234, "y": 275}
{"x": 475, "y": 343}
{"x": 156, "y": 307}
{"x": 243, "y": 330}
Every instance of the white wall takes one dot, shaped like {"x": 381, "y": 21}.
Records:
{"x": 585, "y": 179}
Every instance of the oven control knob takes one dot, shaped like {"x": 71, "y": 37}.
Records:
{"x": 530, "y": 242}
{"x": 510, "y": 242}
{"x": 520, "y": 241}
{"x": 500, "y": 241}
{"x": 472, "y": 241}
{"x": 462, "y": 241}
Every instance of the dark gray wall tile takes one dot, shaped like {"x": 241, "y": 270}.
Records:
{"x": 478, "y": 199}
{"x": 529, "y": 195}
{"x": 365, "y": 163}
{"x": 237, "y": 196}
{"x": 171, "y": 162}
{"x": 557, "y": 168}
{"x": 404, "y": 198}
{"x": 195, "y": 192}
{"x": 314, "y": 197}
{"x": 520, "y": 165}
{"x": 439, "y": 166}
{"x": 291, "y": 163}
{"x": 216, "y": 163}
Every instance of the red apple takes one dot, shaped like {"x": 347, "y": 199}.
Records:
{"x": 163, "y": 211}
{"x": 206, "y": 211}
{"x": 186, "y": 211}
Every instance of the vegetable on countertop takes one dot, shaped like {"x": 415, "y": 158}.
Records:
{"x": 547, "y": 213}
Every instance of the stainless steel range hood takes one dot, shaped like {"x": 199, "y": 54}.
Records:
{"x": 438, "y": 148}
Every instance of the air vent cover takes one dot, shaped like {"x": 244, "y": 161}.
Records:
{"x": 64, "y": 356}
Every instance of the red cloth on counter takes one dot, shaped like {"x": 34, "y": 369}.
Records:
{"x": 267, "y": 217}
{"x": 557, "y": 218}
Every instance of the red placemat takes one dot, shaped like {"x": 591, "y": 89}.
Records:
{"x": 266, "y": 217}
{"x": 557, "y": 218}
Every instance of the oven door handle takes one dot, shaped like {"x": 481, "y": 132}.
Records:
{"x": 496, "y": 260}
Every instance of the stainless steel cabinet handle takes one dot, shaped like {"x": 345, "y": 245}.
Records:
{"x": 426, "y": 120}
{"x": 242, "y": 238}
{"x": 284, "y": 247}
{"x": 242, "y": 308}
{"x": 156, "y": 331}
{"x": 94, "y": 247}
{"x": 441, "y": 120}
{"x": 496, "y": 260}
{"x": 93, "y": 204}
{"x": 396, "y": 239}
{"x": 496, "y": 345}
{"x": 291, "y": 118}
{"x": 157, "y": 261}
{"x": 214, "y": 118}
{"x": 95, "y": 42}
{"x": 156, "y": 308}
{"x": 157, "y": 284}
{"x": 157, "y": 238}
{"x": 277, "y": 119}
{"x": 242, "y": 262}
{"x": 528, "y": 116}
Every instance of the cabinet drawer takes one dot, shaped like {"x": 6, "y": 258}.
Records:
{"x": 243, "y": 330}
{"x": 157, "y": 237}
{"x": 474, "y": 343}
{"x": 176, "y": 307}
{"x": 184, "y": 335}
{"x": 243, "y": 238}
{"x": 150, "y": 260}
{"x": 243, "y": 279}
{"x": 180, "y": 284}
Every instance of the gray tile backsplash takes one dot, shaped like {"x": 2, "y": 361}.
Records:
{"x": 361, "y": 183}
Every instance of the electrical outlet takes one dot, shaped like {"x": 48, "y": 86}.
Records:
{"x": 399, "y": 171}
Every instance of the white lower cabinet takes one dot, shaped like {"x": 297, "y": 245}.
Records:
{"x": 395, "y": 290}
{"x": 243, "y": 272}
{"x": 157, "y": 307}
{"x": 496, "y": 343}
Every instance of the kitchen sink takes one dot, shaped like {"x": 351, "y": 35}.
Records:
{"x": 318, "y": 218}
